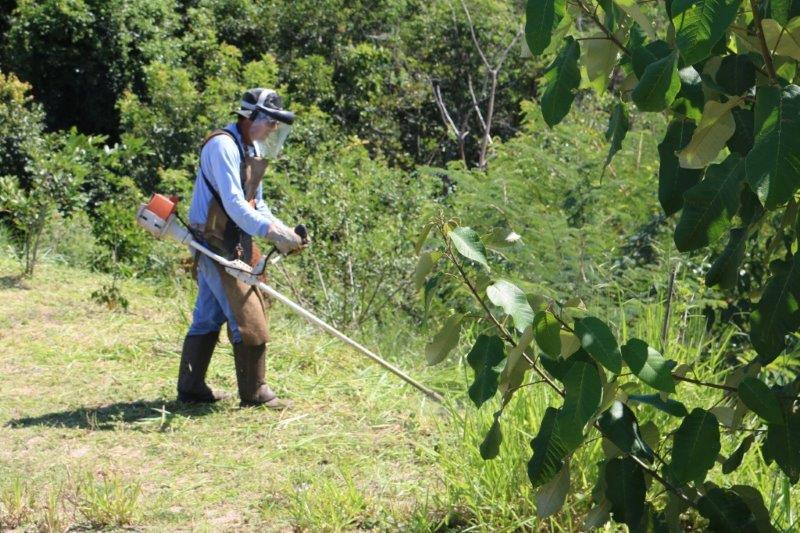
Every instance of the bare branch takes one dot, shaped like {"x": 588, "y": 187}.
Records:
{"x": 474, "y": 37}
{"x": 475, "y": 101}
{"x": 437, "y": 94}
{"x": 505, "y": 52}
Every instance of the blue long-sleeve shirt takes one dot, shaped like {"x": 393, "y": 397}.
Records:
{"x": 220, "y": 163}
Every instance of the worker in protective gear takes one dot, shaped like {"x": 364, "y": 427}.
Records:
{"x": 227, "y": 211}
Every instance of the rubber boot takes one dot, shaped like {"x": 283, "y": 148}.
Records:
{"x": 250, "y": 377}
{"x": 195, "y": 357}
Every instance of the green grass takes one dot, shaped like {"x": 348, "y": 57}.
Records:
{"x": 86, "y": 403}
{"x": 90, "y": 435}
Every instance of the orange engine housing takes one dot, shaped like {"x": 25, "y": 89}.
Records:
{"x": 162, "y": 206}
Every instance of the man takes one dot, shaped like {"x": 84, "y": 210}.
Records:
{"x": 227, "y": 211}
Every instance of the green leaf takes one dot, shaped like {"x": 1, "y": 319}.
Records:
{"x": 513, "y": 301}
{"x": 490, "y": 447}
{"x": 780, "y": 10}
{"x": 631, "y": 8}
{"x": 583, "y": 391}
{"x": 725, "y": 269}
{"x": 732, "y": 463}
{"x": 551, "y": 496}
{"x": 558, "y": 367}
{"x": 669, "y": 406}
{"x": 548, "y": 450}
{"x": 743, "y": 138}
{"x": 625, "y": 489}
{"x": 469, "y": 244}
{"x": 484, "y": 358}
{"x": 424, "y": 267}
{"x": 726, "y": 511}
{"x": 696, "y": 446}
{"x": 658, "y": 86}
{"x": 650, "y": 53}
{"x": 783, "y": 445}
{"x": 673, "y": 180}
{"x": 736, "y": 74}
{"x": 690, "y": 100}
{"x": 709, "y": 206}
{"x": 599, "y": 59}
{"x": 773, "y": 165}
{"x": 783, "y": 41}
{"x": 423, "y": 236}
{"x": 752, "y": 497}
{"x": 778, "y": 312}
{"x": 596, "y": 338}
{"x": 648, "y": 365}
{"x": 759, "y": 399}
{"x": 547, "y": 332}
{"x": 618, "y": 126}
{"x": 562, "y": 79}
{"x": 541, "y": 17}
{"x": 516, "y": 365}
{"x": 430, "y": 290}
{"x": 619, "y": 425}
{"x": 716, "y": 127}
{"x": 701, "y": 25}
{"x": 444, "y": 341}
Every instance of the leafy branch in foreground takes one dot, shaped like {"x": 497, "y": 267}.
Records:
{"x": 725, "y": 73}
{"x": 598, "y": 385}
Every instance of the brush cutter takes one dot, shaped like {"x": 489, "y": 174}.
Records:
{"x": 159, "y": 217}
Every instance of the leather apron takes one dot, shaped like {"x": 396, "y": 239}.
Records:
{"x": 224, "y": 237}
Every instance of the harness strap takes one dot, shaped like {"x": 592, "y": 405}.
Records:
{"x": 211, "y": 188}
{"x": 213, "y": 191}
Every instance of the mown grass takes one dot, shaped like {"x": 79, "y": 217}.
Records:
{"x": 90, "y": 435}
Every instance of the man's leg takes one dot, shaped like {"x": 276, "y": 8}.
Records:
{"x": 244, "y": 305}
{"x": 198, "y": 346}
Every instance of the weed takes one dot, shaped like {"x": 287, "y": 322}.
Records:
{"x": 16, "y": 503}
{"x": 108, "y": 501}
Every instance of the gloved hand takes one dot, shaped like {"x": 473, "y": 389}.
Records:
{"x": 284, "y": 238}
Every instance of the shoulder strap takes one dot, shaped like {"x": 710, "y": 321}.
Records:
{"x": 223, "y": 131}
{"x": 211, "y": 188}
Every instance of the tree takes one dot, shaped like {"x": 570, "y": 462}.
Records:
{"x": 56, "y": 169}
{"x": 724, "y": 72}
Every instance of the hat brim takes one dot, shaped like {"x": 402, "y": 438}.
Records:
{"x": 244, "y": 113}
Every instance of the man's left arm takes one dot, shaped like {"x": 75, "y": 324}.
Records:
{"x": 261, "y": 205}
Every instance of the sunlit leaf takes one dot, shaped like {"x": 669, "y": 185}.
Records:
{"x": 598, "y": 340}
{"x": 513, "y": 301}
{"x": 648, "y": 365}
{"x": 469, "y": 244}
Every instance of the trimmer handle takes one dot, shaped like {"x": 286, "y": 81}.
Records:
{"x": 301, "y": 230}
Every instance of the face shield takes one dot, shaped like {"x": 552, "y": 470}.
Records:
{"x": 268, "y": 132}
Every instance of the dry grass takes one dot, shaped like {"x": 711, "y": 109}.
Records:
{"x": 86, "y": 396}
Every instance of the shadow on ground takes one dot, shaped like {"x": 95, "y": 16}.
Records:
{"x": 13, "y": 282}
{"x": 107, "y": 417}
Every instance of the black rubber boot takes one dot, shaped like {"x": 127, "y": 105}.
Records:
{"x": 195, "y": 357}
{"x": 250, "y": 378}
